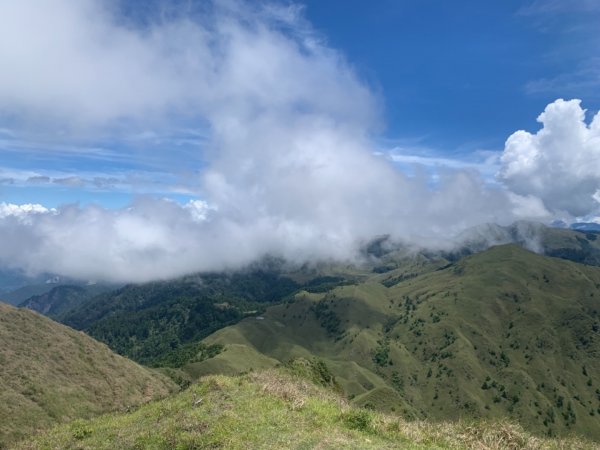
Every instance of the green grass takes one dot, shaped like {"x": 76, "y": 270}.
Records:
{"x": 50, "y": 373}
{"x": 425, "y": 346}
{"x": 277, "y": 409}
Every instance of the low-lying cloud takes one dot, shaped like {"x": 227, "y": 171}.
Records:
{"x": 290, "y": 165}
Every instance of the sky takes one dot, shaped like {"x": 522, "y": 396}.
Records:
{"x": 147, "y": 139}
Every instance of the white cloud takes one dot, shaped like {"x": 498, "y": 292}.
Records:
{"x": 22, "y": 212}
{"x": 67, "y": 60}
{"x": 199, "y": 209}
{"x": 560, "y": 164}
{"x": 83, "y": 67}
{"x": 159, "y": 239}
{"x": 289, "y": 167}
{"x": 484, "y": 162}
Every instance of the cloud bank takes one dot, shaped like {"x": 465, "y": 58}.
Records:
{"x": 290, "y": 167}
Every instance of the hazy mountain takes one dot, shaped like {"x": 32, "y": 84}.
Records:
{"x": 16, "y": 286}
{"x": 50, "y": 373}
{"x": 575, "y": 245}
{"x": 63, "y": 298}
{"x": 42, "y": 284}
{"x": 21, "y": 294}
{"x": 586, "y": 226}
{"x": 502, "y": 333}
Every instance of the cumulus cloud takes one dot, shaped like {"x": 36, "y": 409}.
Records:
{"x": 23, "y": 212}
{"x": 289, "y": 169}
{"x": 560, "y": 164}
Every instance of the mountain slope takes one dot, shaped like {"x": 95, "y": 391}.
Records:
{"x": 61, "y": 299}
{"x": 155, "y": 323}
{"x": 581, "y": 246}
{"x": 21, "y": 294}
{"x": 277, "y": 409}
{"x": 502, "y": 333}
{"x": 148, "y": 322}
{"x": 14, "y": 285}
{"x": 158, "y": 323}
{"x": 50, "y": 373}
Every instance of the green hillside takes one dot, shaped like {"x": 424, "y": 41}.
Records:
{"x": 279, "y": 409}
{"x": 505, "y": 333}
{"x": 160, "y": 323}
{"x": 152, "y": 322}
{"x": 50, "y": 374}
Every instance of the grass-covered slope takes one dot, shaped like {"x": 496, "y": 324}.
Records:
{"x": 276, "y": 409}
{"x": 504, "y": 333}
{"x": 50, "y": 373}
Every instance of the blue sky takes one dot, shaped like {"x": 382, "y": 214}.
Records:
{"x": 454, "y": 81}
{"x": 459, "y": 76}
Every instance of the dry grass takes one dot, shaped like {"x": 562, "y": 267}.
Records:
{"x": 293, "y": 390}
{"x": 501, "y": 435}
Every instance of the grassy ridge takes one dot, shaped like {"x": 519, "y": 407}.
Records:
{"x": 501, "y": 334}
{"x": 277, "y": 409}
{"x": 50, "y": 373}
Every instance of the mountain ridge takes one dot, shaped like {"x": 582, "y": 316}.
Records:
{"x": 292, "y": 406}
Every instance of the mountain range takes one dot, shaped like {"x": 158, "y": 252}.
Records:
{"x": 504, "y": 333}
{"x": 489, "y": 330}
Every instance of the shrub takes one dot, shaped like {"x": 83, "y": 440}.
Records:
{"x": 358, "y": 419}
{"x": 80, "y": 430}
